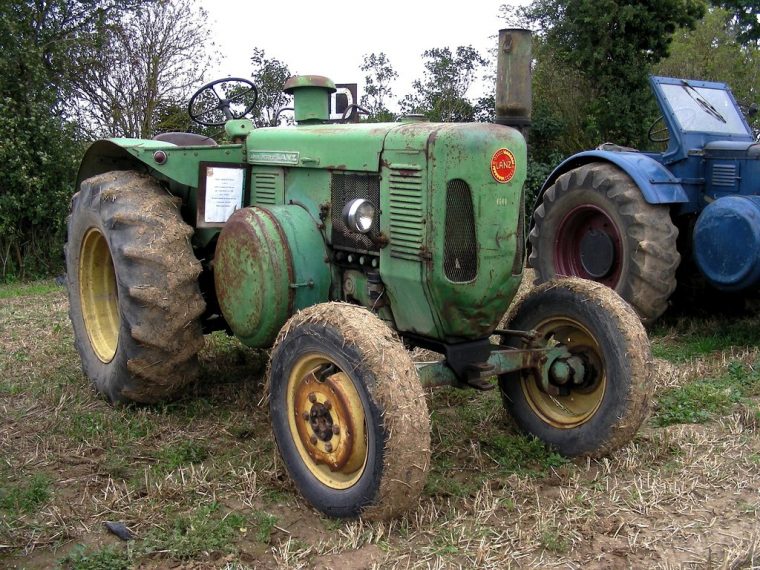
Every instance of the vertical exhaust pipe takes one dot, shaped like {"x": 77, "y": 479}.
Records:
{"x": 513, "y": 79}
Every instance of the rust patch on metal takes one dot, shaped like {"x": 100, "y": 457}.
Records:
{"x": 382, "y": 240}
{"x": 236, "y": 231}
{"x": 320, "y": 408}
{"x": 297, "y": 81}
{"x": 288, "y": 256}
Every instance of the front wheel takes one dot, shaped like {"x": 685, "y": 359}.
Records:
{"x": 602, "y": 410}
{"x": 348, "y": 413}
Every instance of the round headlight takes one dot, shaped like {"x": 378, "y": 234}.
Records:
{"x": 358, "y": 215}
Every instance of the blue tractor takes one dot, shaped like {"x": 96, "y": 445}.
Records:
{"x": 627, "y": 219}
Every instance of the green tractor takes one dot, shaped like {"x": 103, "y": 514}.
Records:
{"x": 339, "y": 246}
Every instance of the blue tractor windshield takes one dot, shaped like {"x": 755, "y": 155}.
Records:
{"x": 704, "y": 109}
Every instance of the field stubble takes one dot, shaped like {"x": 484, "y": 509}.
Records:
{"x": 198, "y": 484}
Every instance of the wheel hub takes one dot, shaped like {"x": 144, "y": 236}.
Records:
{"x": 330, "y": 421}
{"x": 98, "y": 295}
{"x": 321, "y": 421}
{"x": 589, "y": 245}
{"x": 597, "y": 253}
{"x": 572, "y": 389}
{"x": 573, "y": 373}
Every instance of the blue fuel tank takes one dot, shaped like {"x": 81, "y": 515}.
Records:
{"x": 727, "y": 242}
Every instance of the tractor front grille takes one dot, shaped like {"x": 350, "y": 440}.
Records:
{"x": 460, "y": 249}
{"x": 344, "y": 188}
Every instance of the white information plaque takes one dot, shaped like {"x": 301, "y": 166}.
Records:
{"x": 224, "y": 193}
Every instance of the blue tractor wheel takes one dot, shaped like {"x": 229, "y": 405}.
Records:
{"x": 594, "y": 223}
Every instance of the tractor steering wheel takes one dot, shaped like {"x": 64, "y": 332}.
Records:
{"x": 222, "y": 100}
{"x": 658, "y": 133}
{"x": 685, "y": 116}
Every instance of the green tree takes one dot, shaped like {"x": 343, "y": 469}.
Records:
{"x": 441, "y": 94}
{"x": 269, "y": 76}
{"x": 45, "y": 45}
{"x": 379, "y": 74}
{"x": 745, "y": 18}
{"x": 611, "y": 45}
{"x": 562, "y": 121}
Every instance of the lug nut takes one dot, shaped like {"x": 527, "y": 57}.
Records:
{"x": 313, "y": 398}
{"x": 328, "y": 447}
{"x": 306, "y": 416}
{"x": 336, "y": 430}
{"x": 327, "y": 405}
{"x": 313, "y": 439}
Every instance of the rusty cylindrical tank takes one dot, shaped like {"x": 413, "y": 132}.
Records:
{"x": 513, "y": 79}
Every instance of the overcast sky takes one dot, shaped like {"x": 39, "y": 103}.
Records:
{"x": 325, "y": 37}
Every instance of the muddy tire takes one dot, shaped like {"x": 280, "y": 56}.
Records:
{"x": 348, "y": 413}
{"x": 134, "y": 299}
{"x": 603, "y": 411}
{"x": 594, "y": 223}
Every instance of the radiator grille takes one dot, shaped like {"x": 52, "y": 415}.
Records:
{"x": 266, "y": 187}
{"x": 343, "y": 189}
{"x": 724, "y": 175}
{"x": 460, "y": 255}
{"x": 406, "y": 211}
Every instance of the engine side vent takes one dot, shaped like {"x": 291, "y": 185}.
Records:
{"x": 460, "y": 251}
{"x": 724, "y": 175}
{"x": 345, "y": 187}
{"x": 407, "y": 221}
{"x": 268, "y": 187}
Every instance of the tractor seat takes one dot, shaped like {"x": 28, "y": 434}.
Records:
{"x": 185, "y": 139}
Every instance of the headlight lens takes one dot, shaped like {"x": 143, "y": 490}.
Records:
{"x": 358, "y": 215}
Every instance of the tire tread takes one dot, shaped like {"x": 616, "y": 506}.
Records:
{"x": 648, "y": 229}
{"x": 157, "y": 275}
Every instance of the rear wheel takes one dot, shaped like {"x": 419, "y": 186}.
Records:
{"x": 602, "y": 410}
{"x": 594, "y": 223}
{"x": 348, "y": 413}
{"x": 134, "y": 299}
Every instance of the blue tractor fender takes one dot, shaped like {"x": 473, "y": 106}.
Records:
{"x": 657, "y": 183}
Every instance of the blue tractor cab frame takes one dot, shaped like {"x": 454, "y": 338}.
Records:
{"x": 628, "y": 219}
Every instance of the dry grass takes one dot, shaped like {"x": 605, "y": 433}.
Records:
{"x": 199, "y": 484}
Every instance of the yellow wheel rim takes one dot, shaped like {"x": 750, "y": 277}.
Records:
{"x": 98, "y": 295}
{"x": 568, "y": 412}
{"x": 327, "y": 421}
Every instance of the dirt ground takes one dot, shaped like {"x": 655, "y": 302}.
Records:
{"x": 198, "y": 482}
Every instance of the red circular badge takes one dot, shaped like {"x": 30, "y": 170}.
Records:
{"x": 503, "y": 165}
